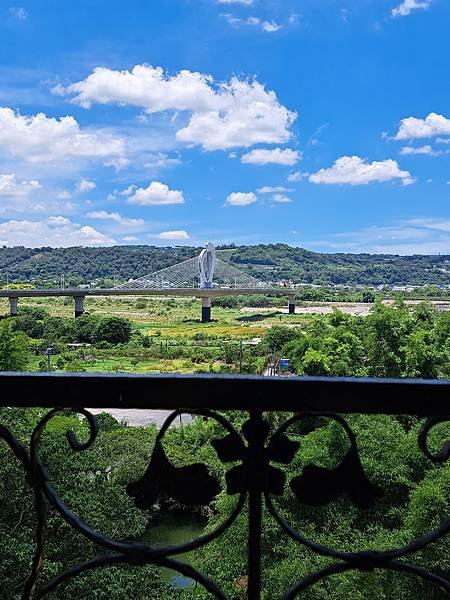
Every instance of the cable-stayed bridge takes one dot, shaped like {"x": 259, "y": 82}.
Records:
{"x": 186, "y": 275}
{"x": 205, "y": 276}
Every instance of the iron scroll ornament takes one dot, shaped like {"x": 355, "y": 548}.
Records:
{"x": 125, "y": 553}
{"x": 365, "y": 560}
{"x": 269, "y": 481}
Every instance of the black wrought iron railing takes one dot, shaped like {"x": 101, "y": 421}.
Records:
{"x": 251, "y": 455}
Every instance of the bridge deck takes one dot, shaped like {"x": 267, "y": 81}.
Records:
{"x": 193, "y": 292}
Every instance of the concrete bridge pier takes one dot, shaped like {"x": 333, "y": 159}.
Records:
{"x": 206, "y": 310}
{"x": 291, "y": 300}
{"x": 79, "y": 305}
{"x": 13, "y": 306}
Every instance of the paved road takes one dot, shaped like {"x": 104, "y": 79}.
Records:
{"x": 138, "y": 418}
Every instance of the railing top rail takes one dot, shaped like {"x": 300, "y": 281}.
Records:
{"x": 226, "y": 392}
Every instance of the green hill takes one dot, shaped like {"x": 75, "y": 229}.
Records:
{"x": 271, "y": 263}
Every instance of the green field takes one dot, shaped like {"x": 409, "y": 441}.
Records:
{"x": 177, "y": 340}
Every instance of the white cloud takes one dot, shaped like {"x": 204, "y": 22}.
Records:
{"x": 114, "y": 216}
{"x": 53, "y": 231}
{"x": 270, "y": 26}
{"x": 40, "y": 139}
{"x": 12, "y": 188}
{"x": 407, "y": 6}
{"x": 161, "y": 161}
{"x": 130, "y": 238}
{"x": 241, "y": 198}
{"x": 281, "y": 198}
{"x": 245, "y": 2}
{"x": 296, "y": 176}
{"x": 129, "y": 190}
{"x": 84, "y": 185}
{"x": 177, "y": 234}
{"x": 224, "y": 115}
{"x": 63, "y": 194}
{"x": 276, "y": 156}
{"x": 156, "y": 193}
{"x": 427, "y": 149}
{"x": 267, "y": 26}
{"x": 433, "y": 125}
{"x": 443, "y": 140}
{"x": 268, "y": 189}
{"x": 355, "y": 171}
{"x": 18, "y": 12}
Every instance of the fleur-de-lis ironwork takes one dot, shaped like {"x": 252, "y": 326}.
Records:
{"x": 191, "y": 485}
{"x": 232, "y": 448}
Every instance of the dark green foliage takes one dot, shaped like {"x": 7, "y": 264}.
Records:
{"x": 415, "y": 499}
{"x": 393, "y": 341}
{"x": 273, "y": 262}
{"x": 86, "y": 328}
{"x": 92, "y": 483}
{"x": 115, "y": 330}
{"x": 13, "y": 347}
{"x": 278, "y": 336}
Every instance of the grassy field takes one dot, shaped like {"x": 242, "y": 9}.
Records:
{"x": 169, "y": 324}
{"x": 169, "y": 317}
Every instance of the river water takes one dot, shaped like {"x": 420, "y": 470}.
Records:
{"x": 138, "y": 417}
{"x": 175, "y": 527}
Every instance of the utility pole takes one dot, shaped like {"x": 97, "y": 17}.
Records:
{"x": 7, "y": 281}
{"x": 241, "y": 355}
{"x": 62, "y": 281}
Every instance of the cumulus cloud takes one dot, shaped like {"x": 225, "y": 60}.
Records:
{"x": 433, "y": 125}
{"x": 42, "y": 139}
{"x": 407, "y": 6}
{"x": 176, "y": 234}
{"x": 268, "y": 189}
{"x": 355, "y": 171}
{"x": 427, "y": 149}
{"x": 155, "y": 194}
{"x": 241, "y": 198}
{"x": 114, "y": 216}
{"x": 54, "y": 231}
{"x": 84, "y": 185}
{"x": 10, "y": 187}
{"x": 276, "y": 156}
{"x": 224, "y": 115}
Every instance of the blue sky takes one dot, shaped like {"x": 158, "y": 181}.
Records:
{"x": 317, "y": 124}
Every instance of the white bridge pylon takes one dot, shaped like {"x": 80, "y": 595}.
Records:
{"x": 187, "y": 275}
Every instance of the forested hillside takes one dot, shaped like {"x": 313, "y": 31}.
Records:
{"x": 44, "y": 266}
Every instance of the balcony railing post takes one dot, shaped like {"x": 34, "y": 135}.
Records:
{"x": 255, "y": 468}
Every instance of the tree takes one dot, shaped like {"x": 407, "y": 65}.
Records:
{"x": 115, "y": 330}
{"x": 13, "y": 348}
{"x": 278, "y": 336}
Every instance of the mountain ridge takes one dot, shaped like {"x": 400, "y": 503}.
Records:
{"x": 268, "y": 262}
